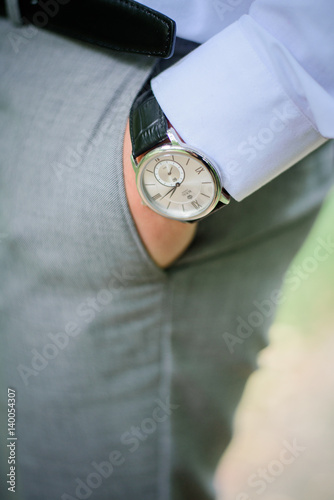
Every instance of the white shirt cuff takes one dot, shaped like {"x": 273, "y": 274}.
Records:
{"x": 222, "y": 99}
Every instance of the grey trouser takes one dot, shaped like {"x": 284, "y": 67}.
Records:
{"x": 127, "y": 377}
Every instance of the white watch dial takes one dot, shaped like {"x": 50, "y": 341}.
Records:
{"x": 177, "y": 184}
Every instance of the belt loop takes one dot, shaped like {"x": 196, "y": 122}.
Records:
{"x": 13, "y": 11}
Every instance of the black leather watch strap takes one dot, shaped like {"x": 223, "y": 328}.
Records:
{"x": 123, "y": 25}
{"x": 148, "y": 124}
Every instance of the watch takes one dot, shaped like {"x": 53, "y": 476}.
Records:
{"x": 174, "y": 179}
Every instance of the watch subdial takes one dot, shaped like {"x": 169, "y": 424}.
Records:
{"x": 169, "y": 173}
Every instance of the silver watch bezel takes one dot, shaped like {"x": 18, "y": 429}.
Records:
{"x": 176, "y": 145}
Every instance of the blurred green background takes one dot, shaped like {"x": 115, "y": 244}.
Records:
{"x": 291, "y": 396}
{"x": 311, "y": 307}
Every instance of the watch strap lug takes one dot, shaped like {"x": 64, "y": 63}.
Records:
{"x": 225, "y": 198}
{"x": 134, "y": 163}
{"x": 173, "y": 137}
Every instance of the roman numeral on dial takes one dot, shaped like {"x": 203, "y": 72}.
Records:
{"x": 199, "y": 170}
{"x": 156, "y": 196}
{"x": 196, "y": 205}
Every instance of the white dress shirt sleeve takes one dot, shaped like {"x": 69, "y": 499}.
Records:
{"x": 258, "y": 96}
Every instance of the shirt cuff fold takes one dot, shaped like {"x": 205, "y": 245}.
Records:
{"x": 222, "y": 99}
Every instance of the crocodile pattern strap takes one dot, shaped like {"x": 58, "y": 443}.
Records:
{"x": 148, "y": 124}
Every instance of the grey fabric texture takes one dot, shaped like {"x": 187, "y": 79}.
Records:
{"x": 126, "y": 383}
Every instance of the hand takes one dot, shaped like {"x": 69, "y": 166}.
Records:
{"x": 172, "y": 191}
{"x": 165, "y": 239}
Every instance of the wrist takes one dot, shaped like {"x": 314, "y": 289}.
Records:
{"x": 164, "y": 239}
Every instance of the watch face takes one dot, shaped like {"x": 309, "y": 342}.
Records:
{"x": 178, "y": 183}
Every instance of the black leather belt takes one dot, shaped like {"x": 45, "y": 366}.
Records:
{"x": 123, "y": 25}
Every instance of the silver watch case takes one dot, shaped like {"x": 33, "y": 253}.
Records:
{"x": 176, "y": 146}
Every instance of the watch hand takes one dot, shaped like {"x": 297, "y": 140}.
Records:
{"x": 173, "y": 189}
